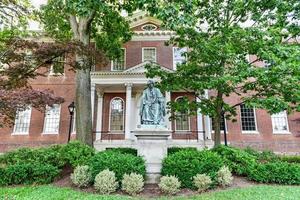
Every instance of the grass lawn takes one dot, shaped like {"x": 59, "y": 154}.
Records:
{"x": 55, "y": 193}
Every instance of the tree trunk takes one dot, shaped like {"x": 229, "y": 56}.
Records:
{"x": 217, "y": 119}
{"x": 81, "y": 30}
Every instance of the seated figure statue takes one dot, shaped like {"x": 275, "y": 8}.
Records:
{"x": 152, "y": 108}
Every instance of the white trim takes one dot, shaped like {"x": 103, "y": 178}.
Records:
{"x": 287, "y": 125}
{"x": 44, "y": 126}
{"x": 189, "y": 121}
{"x": 143, "y": 48}
{"x": 109, "y": 117}
{"x": 112, "y": 63}
{"x": 255, "y": 120}
{"x": 23, "y": 133}
{"x": 149, "y": 24}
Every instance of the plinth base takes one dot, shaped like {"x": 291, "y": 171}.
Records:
{"x": 152, "y": 146}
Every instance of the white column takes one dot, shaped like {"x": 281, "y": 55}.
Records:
{"x": 128, "y": 110}
{"x": 168, "y": 115}
{"x": 207, "y": 123}
{"x": 93, "y": 94}
{"x": 99, "y": 115}
{"x": 199, "y": 122}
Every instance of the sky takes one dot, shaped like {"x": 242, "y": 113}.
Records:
{"x": 33, "y": 25}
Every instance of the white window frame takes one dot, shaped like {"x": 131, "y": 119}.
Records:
{"x": 149, "y": 48}
{"x": 44, "y": 126}
{"x": 109, "y": 116}
{"x": 189, "y": 121}
{"x": 173, "y": 54}
{"x": 112, "y": 63}
{"x": 287, "y": 125}
{"x": 29, "y": 122}
{"x": 255, "y": 120}
{"x": 51, "y": 72}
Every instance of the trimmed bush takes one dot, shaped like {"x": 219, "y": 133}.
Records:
{"x": 290, "y": 159}
{"x": 239, "y": 161}
{"x": 124, "y": 150}
{"x": 82, "y": 176}
{"x": 105, "y": 182}
{"x": 186, "y": 164}
{"x": 76, "y": 153}
{"x": 117, "y": 162}
{"x": 133, "y": 183}
{"x": 224, "y": 177}
{"x": 202, "y": 182}
{"x": 264, "y": 156}
{"x": 28, "y": 174}
{"x": 172, "y": 150}
{"x": 169, "y": 184}
{"x": 276, "y": 172}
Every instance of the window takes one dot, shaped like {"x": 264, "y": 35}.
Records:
{"x": 178, "y": 57}
{"x": 223, "y": 124}
{"x": 119, "y": 64}
{"x": 22, "y": 121}
{"x": 280, "y": 122}
{"x": 52, "y": 117}
{"x": 57, "y": 67}
{"x": 117, "y": 114}
{"x": 149, "y": 54}
{"x": 182, "y": 120}
{"x": 149, "y": 27}
{"x": 248, "y": 119}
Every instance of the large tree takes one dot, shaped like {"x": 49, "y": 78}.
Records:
{"x": 83, "y": 21}
{"x": 220, "y": 35}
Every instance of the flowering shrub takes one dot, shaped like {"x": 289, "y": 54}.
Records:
{"x": 106, "y": 182}
{"x": 132, "y": 183}
{"x": 82, "y": 176}
{"x": 224, "y": 176}
{"x": 169, "y": 184}
{"x": 202, "y": 182}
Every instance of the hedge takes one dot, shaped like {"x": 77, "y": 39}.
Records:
{"x": 185, "y": 164}
{"x": 124, "y": 150}
{"x": 172, "y": 150}
{"x": 117, "y": 162}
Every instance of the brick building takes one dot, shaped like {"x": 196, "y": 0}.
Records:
{"x": 116, "y": 91}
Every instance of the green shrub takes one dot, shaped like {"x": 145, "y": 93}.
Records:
{"x": 276, "y": 172}
{"x": 82, "y": 176}
{"x": 185, "y": 164}
{"x": 45, "y": 155}
{"x": 290, "y": 159}
{"x": 117, "y": 162}
{"x": 29, "y": 174}
{"x": 202, "y": 182}
{"x": 132, "y": 183}
{"x": 105, "y": 182}
{"x": 76, "y": 153}
{"x": 224, "y": 176}
{"x": 169, "y": 184}
{"x": 239, "y": 161}
{"x": 264, "y": 156}
{"x": 124, "y": 150}
{"x": 172, "y": 150}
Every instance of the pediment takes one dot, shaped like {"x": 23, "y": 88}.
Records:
{"x": 141, "y": 18}
{"x": 141, "y": 68}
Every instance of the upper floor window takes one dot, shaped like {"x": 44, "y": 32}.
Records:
{"x": 149, "y": 27}
{"x": 117, "y": 114}
{"x": 149, "y": 54}
{"x": 119, "y": 63}
{"x": 182, "y": 119}
{"x": 57, "y": 67}
{"x": 248, "y": 119}
{"x": 280, "y": 122}
{"x": 178, "y": 56}
{"x": 52, "y": 118}
{"x": 22, "y": 121}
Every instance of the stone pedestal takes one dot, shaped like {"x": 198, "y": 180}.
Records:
{"x": 152, "y": 145}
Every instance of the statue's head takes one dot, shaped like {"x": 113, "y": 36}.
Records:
{"x": 150, "y": 84}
